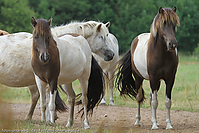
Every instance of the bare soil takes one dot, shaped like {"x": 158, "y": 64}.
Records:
{"x": 119, "y": 119}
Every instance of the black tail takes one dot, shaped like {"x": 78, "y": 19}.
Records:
{"x": 95, "y": 90}
{"x": 124, "y": 79}
{"x": 59, "y": 103}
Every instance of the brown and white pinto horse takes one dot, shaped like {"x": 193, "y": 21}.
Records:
{"x": 153, "y": 56}
{"x": 45, "y": 62}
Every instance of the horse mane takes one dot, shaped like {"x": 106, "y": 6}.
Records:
{"x": 83, "y": 28}
{"x": 167, "y": 15}
{"x": 42, "y": 27}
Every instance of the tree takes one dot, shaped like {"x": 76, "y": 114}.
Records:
{"x": 15, "y": 16}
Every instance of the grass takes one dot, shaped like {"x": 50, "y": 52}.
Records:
{"x": 185, "y": 94}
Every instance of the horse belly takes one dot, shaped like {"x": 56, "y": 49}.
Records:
{"x": 140, "y": 55}
{"x": 72, "y": 68}
{"x": 15, "y": 66}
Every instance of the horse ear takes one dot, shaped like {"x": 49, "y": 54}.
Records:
{"x": 49, "y": 21}
{"x": 33, "y": 22}
{"x": 174, "y": 9}
{"x": 99, "y": 27}
{"x": 160, "y": 10}
{"x": 108, "y": 24}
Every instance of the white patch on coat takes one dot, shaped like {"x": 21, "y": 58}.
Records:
{"x": 140, "y": 55}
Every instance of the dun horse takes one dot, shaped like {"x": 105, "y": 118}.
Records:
{"x": 56, "y": 60}
{"x": 153, "y": 56}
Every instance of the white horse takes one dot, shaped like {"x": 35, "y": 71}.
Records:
{"x": 17, "y": 64}
{"x": 109, "y": 67}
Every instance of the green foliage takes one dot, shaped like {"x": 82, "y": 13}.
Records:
{"x": 15, "y": 16}
{"x": 197, "y": 49}
{"x": 128, "y": 18}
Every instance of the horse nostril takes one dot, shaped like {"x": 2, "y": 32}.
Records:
{"x": 45, "y": 57}
{"x": 170, "y": 44}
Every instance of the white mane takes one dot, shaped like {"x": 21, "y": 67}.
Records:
{"x": 83, "y": 28}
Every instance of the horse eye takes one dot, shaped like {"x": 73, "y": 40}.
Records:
{"x": 36, "y": 37}
{"x": 106, "y": 34}
{"x": 100, "y": 37}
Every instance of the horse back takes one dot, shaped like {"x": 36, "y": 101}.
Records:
{"x": 75, "y": 58}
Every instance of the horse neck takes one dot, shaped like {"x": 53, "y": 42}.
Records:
{"x": 77, "y": 28}
{"x": 157, "y": 44}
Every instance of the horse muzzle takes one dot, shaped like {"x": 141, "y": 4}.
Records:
{"x": 44, "y": 58}
{"x": 109, "y": 54}
{"x": 172, "y": 46}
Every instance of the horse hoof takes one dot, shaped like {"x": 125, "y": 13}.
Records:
{"x": 169, "y": 127}
{"x": 50, "y": 123}
{"x": 111, "y": 104}
{"x": 137, "y": 125}
{"x": 102, "y": 103}
{"x": 87, "y": 127}
{"x": 155, "y": 128}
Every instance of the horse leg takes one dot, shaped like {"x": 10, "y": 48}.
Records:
{"x": 71, "y": 99}
{"x": 34, "y": 98}
{"x": 169, "y": 86}
{"x": 111, "y": 83}
{"x": 150, "y": 99}
{"x": 47, "y": 112}
{"x": 53, "y": 91}
{"x": 154, "y": 102}
{"x": 139, "y": 99}
{"x": 42, "y": 91}
{"x": 103, "y": 102}
{"x": 84, "y": 88}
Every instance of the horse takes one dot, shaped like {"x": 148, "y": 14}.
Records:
{"x": 153, "y": 56}
{"x": 108, "y": 67}
{"x": 56, "y": 61}
{"x": 100, "y": 41}
{"x": 2, "y": 32}
{"x": 18, "y": 75}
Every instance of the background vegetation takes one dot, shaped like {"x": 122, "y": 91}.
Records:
{"x": 128, "y": 17}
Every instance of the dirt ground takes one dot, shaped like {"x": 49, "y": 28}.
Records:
{"x": 120, "y": 119}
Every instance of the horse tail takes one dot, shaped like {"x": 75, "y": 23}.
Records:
{"x": 124, "y": 80}
{"x": 95, "y": 90}
{"x": 59, "y": 103}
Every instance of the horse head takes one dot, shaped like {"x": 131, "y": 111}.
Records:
{"x": 101, "y": 44}
{"x": 41, "y": 38}
{"x": 165, "y": 25}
